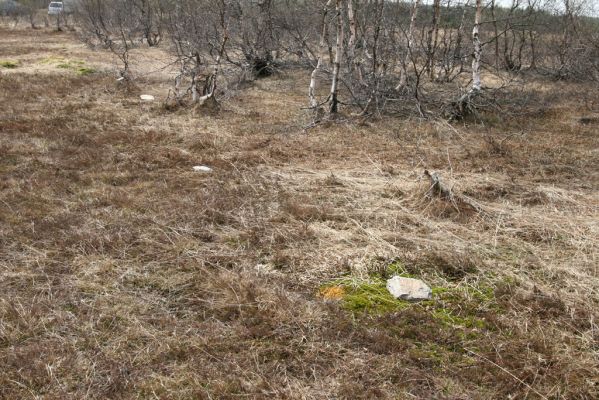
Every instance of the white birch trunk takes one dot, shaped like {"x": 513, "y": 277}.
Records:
{"x": 194, "y": 89}
{"x": 476, "y": 80}
{"x": 351, "y": 42}
{"x": 433, "y": 36}
{"x": 212, "y": 84}
{"x": 319, "y": 62}
{"x": 337, "y": 62}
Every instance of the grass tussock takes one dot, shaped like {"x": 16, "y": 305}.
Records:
{"x": 125, "y": 274}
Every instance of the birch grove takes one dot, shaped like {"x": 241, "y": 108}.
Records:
{"x": 359, "y": 57}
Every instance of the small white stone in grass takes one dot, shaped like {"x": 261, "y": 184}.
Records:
{"x": 202, "y": 168}
{"x": 408, "y": 289}
{"x": 147, "y": 97}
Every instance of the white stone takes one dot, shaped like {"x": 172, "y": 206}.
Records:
{"x": 408, "y": 289}
{"x": 147, "y": 97}
{"x": 202, "y": 168}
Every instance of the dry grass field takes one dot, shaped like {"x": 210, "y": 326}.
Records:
{"x": 125, "y": 274}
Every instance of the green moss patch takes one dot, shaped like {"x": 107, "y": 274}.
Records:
{"x": 456, "y": 305}
{"x": 369, "y": 296}
{"x": 450, "y": 319}
{"x": 85, "y": 70}
{"x": 52, "y": 60}
{"x": 9, "y": 64}
{"x": 76, "y": 66}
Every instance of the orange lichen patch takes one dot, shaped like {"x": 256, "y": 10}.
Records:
{"x": 332, "y": 292}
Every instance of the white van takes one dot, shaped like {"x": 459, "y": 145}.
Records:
{"x": 60, "y": 7}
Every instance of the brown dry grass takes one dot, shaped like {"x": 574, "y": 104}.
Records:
{"x": 124, "y": 274}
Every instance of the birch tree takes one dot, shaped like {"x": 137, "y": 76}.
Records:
{"x": 32, "y": 7}
{"x": 465, "y": 104}
{"x": 432, "y": 38}
{"x": 200, "y": 32}
{"x": 333, "y": 100}
{"x": 114, "y": 25}
{"x": 320, "y": 62}
{"x": 351, "y": 42}
{"x": 477, "y": 55}
{"x": 403, "y": 77}
{"x": 451, "y": 48}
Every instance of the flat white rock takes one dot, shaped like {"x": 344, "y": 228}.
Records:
{"x": 147, "y": 97}
{"x": 202, "y": 168}
{"x": 408, "y": 289}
